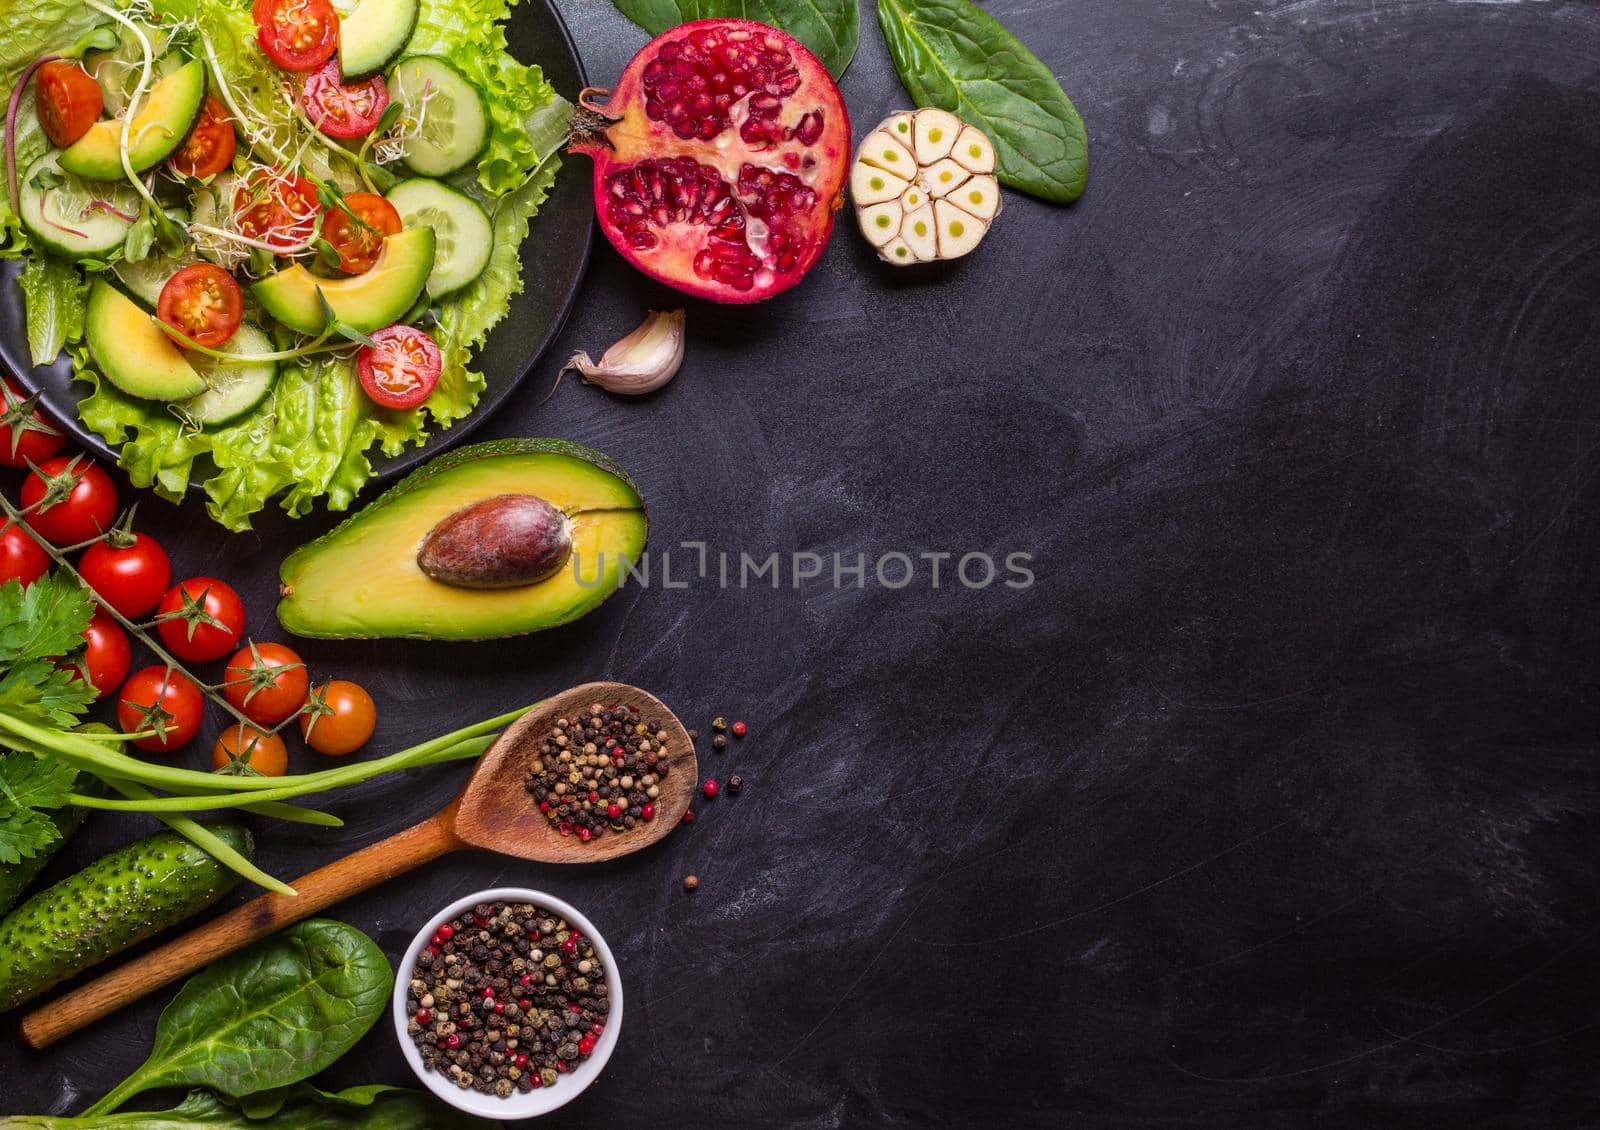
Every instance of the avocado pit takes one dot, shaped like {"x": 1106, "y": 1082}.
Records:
{"x": 503, "y": 542}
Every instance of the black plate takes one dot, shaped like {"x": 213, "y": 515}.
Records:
{"x": 553, "y": 260}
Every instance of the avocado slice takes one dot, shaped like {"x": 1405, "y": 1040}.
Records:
{"x": 131, "y": 352}
{"x": 374, "y": 33}
{"x": 362, "y": 580}
{"x": 367, "y": 301}
{"x": 166, "y": 114}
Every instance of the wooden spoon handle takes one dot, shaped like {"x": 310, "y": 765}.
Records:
{"x": 241, "y": 926}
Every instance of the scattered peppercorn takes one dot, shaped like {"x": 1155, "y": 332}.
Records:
{"x": 719, "y": 742}
{"x": 688, "y": 816}
{"x": 735, "y": 784}
{"x": 600, "y": 771}
{"x": 719, "y": 723}
{"x": 694, "y": 735}
{"x": 739, "y": 729}
{"x": 462, "y": 1027}
{"x": 709, "y": 788}
{"x": 690, "y": 883}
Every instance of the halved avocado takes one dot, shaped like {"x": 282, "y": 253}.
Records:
{"x": 373, "y": 34}
{"x": 131, "y": 352}
{"x": 367, "y": 302}
{"x": 363, "y": 581}
{"x": 166, "y": 114}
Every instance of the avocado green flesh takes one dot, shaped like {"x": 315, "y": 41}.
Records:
{"x": 362, "y": 581}
{"x": 366, "y": 302}
{"x": 373, "y": 34}
{"x": 131, "y": 352}
{"x": 166, "y": 113}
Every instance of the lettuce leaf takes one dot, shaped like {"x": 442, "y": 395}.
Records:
{"x": 54, "y": 294}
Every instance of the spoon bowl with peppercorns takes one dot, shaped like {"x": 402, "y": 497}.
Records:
{"x": 508, "y": 1003}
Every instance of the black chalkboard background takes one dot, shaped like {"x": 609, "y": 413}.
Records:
{"x": 1272, "y": 802}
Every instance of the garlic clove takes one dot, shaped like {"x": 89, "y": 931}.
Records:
{"x": 959, "y": 232}
{"x": 917, "y": 231}
{"x": 934, "y": 134}
{"x": 884, "y": 152}
{"x": 897, "y": 251}
{"x": 974, "y": 150}
{"x": 873, "y": 186}
{"x": 913, "y": 198}
{"x": 642, "y": 361}
{"x": 980, "y": 196}
{"x": 899, "y": 126}
{"x": 944, "y": 177}
{"x": 881, "y": 222}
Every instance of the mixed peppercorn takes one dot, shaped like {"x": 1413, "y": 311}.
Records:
{"x": 600, "y": 771}
{"x": 506, "y": 998}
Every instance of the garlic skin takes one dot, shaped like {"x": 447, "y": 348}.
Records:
{"x": 642, "y": 362}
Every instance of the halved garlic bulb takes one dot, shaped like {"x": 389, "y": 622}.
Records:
{"x": 924, "y": 187}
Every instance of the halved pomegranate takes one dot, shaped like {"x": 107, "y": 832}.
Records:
{"x": 719, "y": 159}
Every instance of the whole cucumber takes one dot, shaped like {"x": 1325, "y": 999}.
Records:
{"x": 116, "y": 902}
{"x": 15, "y": 877}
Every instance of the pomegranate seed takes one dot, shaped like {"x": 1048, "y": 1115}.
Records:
{"x": 709, "y": 788}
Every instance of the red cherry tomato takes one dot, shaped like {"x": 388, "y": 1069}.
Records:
{"x": 279, "y": 209}
{"x": 344, "y": 109}
{"x": 87, "y": 512}
{"x": 21, "y": 558}
{"x": 25, "y": 436}
{"x": 68, "y": 101}
{"x": 297, "y": 35}
{"x": 200, "y": 619}
{"x": 358, "y": 239}
{"x": 203, "y": 303}
{"x": 266, "y": 682}
{"x": 401, "y": 370}
{"x": 107, "y": 655}
{"x": 164, "y": 700}
{"x": 339, "y": 718}
{"x": 210, "y": 145}
{"x": 132, "y": 579}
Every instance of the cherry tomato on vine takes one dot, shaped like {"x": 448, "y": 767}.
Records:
{"x": 401, "y": 369}
{"x": 107, "y": 655}
{"x": 358, "y": 239}
{"x": 131, "y": 578}
{"x": 202, "y": 302}
{"x": 86, "y": 499}
{"x": 163, "y": 700}
{"x": 68, "y": 100}
{"x": 280, "y": 209}
{"x": 210, "y": 146}
{"x": 344, "y": 109}
{"x": 21, "y": 558}
{"x": 239, "y": 745}
{"x": 339, "y": 718}
{"x": 25, "y": 436}
{"x": 200, "y": 619}
{"x": 266, "y": 682}
{"x": 297, "y": 35}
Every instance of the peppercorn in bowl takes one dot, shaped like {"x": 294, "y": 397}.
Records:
{"x": 507, "y": 1003}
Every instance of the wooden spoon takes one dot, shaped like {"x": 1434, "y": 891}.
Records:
{"x": 494, "y": 812}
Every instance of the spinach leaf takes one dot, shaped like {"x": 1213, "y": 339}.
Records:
{"x": 954, "y": 55}
{"x": 303, "y": 1107}
{"x": 272, "y": 1015}
{"x": 831, "y": 28}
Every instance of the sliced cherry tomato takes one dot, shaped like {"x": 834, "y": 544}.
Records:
{"x": 266, "y": 682}
{"x": 69, "y": 101}
{"x": 338, "y": 719}
{"x": 21, "y": 558}
{"x": 240, "y": 746}
{"x": 200, "y": 619}
{"x": 297, "y": 35}
{"x": 344, "y": 109}
{"x": 25, "y": 436}
{"x": 107, "y": 654}
{"x": 163, "y": 700}
{"x": 279, "y": 209}
{"x": 210, "y": 145}
{"x": 359, "y": 238}
{"x": 401, "y": 369}
{"x": 203, "y": 303}
{"x": 131, "y": 578}
{"x": 88, "y": 508}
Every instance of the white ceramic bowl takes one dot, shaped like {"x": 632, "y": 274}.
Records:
{"x": 541, "y": 1100}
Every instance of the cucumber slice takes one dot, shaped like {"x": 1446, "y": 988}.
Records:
{"x": 143, "y": 280}
{"x": 61, "y": 214}
{"x": 233, "y": 388}
{"x": 454, "y": 117}
{"x": 462, "y": 234}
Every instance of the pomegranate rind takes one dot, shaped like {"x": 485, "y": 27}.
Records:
{"x": 720, "y": 159}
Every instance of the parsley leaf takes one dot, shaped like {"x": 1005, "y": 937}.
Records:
{"x": 38, "y": 626}
{"x": 27, "y": 785}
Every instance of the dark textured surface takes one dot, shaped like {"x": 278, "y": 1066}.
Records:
{"x": 1272, "y": 803}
